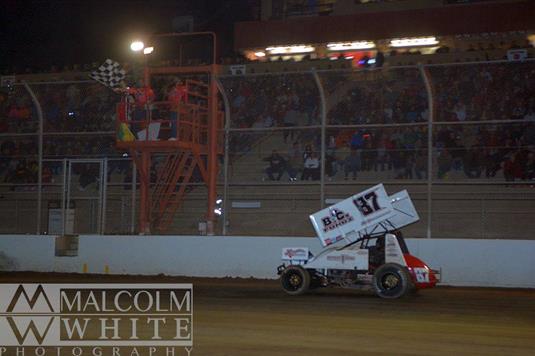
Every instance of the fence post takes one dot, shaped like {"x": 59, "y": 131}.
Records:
{"x": 63, "y": 197}
{"x": 430, "y": 119}
{"x": 104, "y": 194}
{"x": 40, "y": 154}
{"x": 226, "y": 154}
{"x": 323, "y": 111}
{"x": 133, "y": 210}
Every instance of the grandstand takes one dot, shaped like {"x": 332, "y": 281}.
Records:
{"x": 456, "y": 127}
{"x": 482, "y": 148}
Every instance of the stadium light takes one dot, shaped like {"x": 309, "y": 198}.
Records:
{"x": 137, "y": 46}
{"x": 260, "y": 54}
{"x": 290, "y": 49}
{"x": 344, "y": 46}
{"x": 413, "y": 42}
{"x": 148, "y": 50}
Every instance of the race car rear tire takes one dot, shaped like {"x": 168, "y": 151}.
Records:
{"x": 391, "y": 281}
{"x": 295, "y": 280}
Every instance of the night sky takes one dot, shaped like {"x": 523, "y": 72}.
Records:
{"x": 39, "y": 34}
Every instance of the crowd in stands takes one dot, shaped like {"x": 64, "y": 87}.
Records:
{"x": 349, "y": 152}
{"x": 379, "y": 97}
{"x": 16, "y": 112}
{"x": 67, "y": 108}
{"x": 266, "y": 101}
{"x": 401, "y": 153}
{"x": 77, "y": 107}
{"x": 486, "y": 92}
{"x": 491, "y": 92}
{"x": 466, "y": 142}
{"x": 273, "y": 100}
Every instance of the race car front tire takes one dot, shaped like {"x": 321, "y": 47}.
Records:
{"x": 295, "y": 280}
{"x": 391, "y": 281}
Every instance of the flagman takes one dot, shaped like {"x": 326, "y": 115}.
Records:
{"x": 140, "y": 98}
{"x": 143, "y": 97}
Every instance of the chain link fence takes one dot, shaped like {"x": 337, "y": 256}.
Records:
{"x": 460, "y": 138}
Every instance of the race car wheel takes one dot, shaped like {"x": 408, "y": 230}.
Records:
{"x": 391, "y": 281}
{"x": 295, "y": 280}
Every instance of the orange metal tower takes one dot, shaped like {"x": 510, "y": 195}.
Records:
{"x": 194, "y": 143}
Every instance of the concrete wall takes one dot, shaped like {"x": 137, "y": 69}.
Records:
{"x": 483, "y": 263}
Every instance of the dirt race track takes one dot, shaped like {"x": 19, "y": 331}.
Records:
{"x": 252, "y": 317}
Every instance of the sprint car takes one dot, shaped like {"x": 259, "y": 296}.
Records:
{"x": 364, "y": 249}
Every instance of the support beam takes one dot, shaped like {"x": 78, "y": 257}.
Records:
{"x": 144, "y": 192}
{"x": 212, "y": 156}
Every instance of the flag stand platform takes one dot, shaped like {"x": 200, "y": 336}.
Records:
{"x": 175, "y": 142}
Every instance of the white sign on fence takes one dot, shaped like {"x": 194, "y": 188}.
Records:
{"x": 517, "y": 54}
{"x": 55, "y": 221}
{"x": 238, "y": 69}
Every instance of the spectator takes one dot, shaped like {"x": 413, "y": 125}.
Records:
{"x": 444, "y": 163}
{"x": 295, "y": 161}
{"x": 352, "y": 164}
{"x": 143, "y": 97}
{"x": 290, "y": 121}
{"x": 400, "y": 163}
{"x": 472, "y": 163}
{"x": 277, "y": 165}
{"x": 420, "y": 166}
{"x": 330, "y": 165}
{"x": 87, "y": 175}
{"x": 307, "y": 153}
{"x": 511, "y": 169}
{"x": 311, "y": 167}
{"x": 357, "y": 140}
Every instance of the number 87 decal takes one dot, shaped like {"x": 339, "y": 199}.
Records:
{"x": 367, "y": 204}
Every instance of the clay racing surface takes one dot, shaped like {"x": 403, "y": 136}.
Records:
{"x": 255, "y": 317}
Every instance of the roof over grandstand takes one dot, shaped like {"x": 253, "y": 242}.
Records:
{"x": 443, "y": 21}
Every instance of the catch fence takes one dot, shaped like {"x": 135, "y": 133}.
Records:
{"x": 459, "y": 137}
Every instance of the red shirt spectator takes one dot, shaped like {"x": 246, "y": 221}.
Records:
{"x": 142, "y": 96}
{"x": 178, "y": 94}
{"x": 17, "y": 112}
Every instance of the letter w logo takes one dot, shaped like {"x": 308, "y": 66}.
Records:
{"x": 21, "y": 292}
{"x": 31, "y": 327}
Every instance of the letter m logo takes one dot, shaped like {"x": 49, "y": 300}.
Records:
{"x": 31, "y": 302}
{"x": 27, "y": 305}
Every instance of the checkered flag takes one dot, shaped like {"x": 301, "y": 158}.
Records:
{"x": 111, "y": 74}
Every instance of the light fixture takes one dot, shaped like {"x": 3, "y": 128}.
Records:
{"x": 413, "y": 42}
{"x": 344, "y": 46}
{"x": 148, "y": 50}
{"x": 137, "y": 46}
{"x": 290, "y": 49}
{"x": 260, "y": 54}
